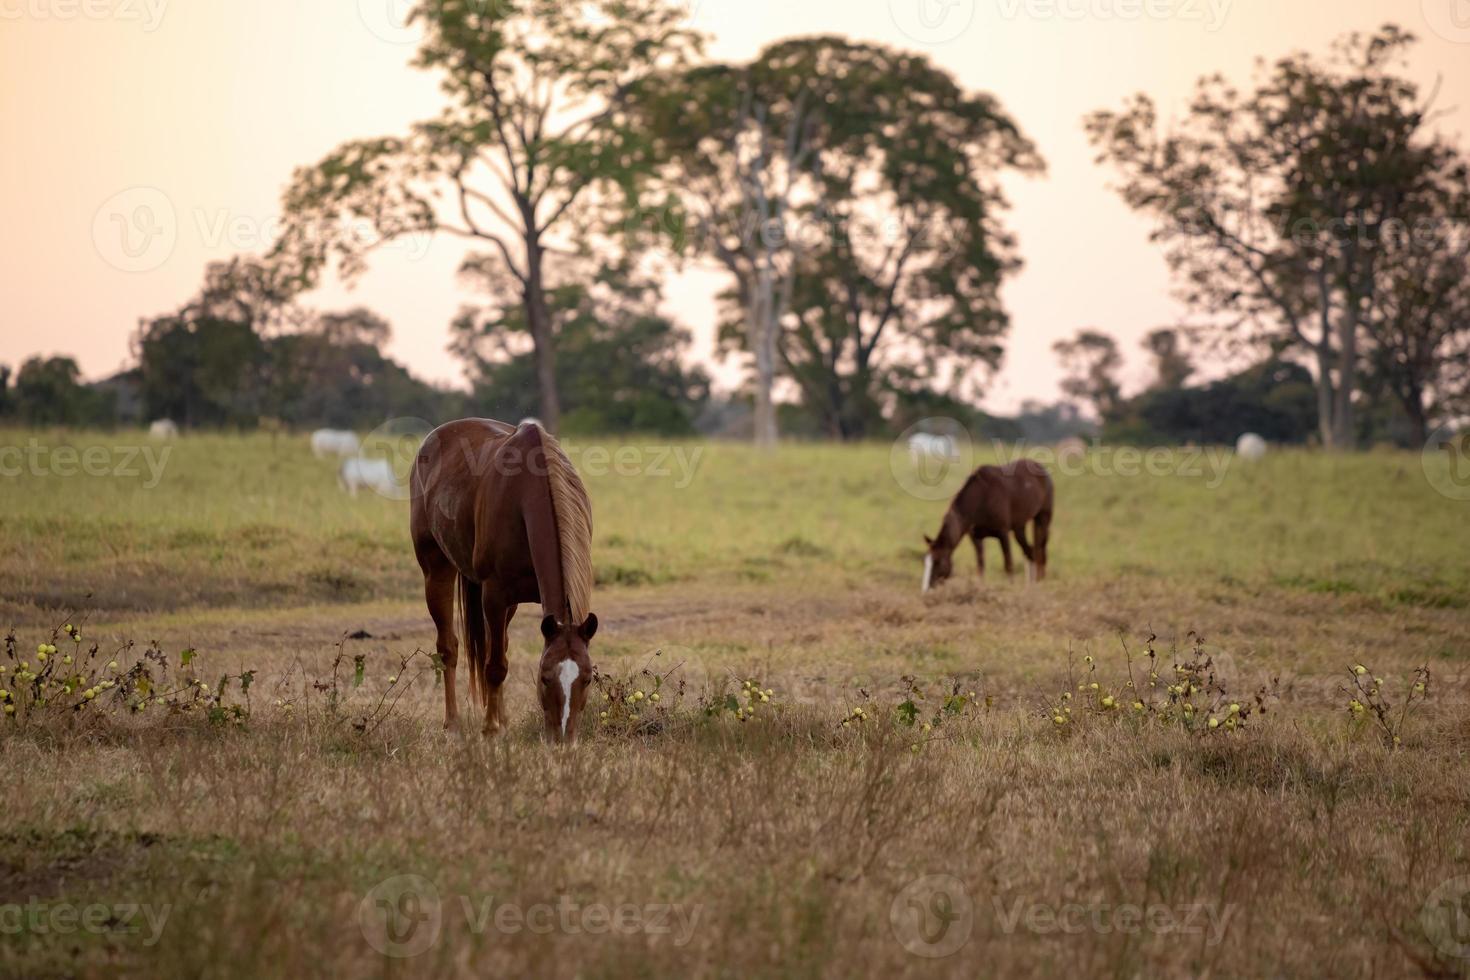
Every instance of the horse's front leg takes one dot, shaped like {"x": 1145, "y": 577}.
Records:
{"x": 978, "y": 540}
{"x": 497, "y": 665}
{"x": 1005, "y": 553}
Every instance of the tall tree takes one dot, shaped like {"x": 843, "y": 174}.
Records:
{"x": 49, "y": 391}
{"x": 851, "y": 192}
{"x": 535, "y": 128}
{"x": 1090, "y": 362}
{"x": 621, "y": 362}
{"x": 1172, "y": 366}
{"x": 1418, "y": 324}
{"x": 1271, "y": 203}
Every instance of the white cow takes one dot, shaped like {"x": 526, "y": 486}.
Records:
{"x": 375, "y": 474}
{"x": 922, "y": 444}
{"x": 1250, "y": 447}
{"x": 334, "y": 442}
{"x": 163, "y": 430}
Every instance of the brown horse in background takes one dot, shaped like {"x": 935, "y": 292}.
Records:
{"x": 995, "y": 502}
{"x": 500, "y": 517}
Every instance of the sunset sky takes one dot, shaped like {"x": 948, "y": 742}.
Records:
{"x": 186, "y": 118}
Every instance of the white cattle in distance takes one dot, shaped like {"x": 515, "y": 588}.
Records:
{"x": 928, "y": 444}
{"x": 1250, "y": 447}
{"x": 373, "y": 474}
{"x": 334, "y": 442}
{"x": 163, "y": 430}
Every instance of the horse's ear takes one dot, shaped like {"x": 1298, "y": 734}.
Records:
{"x": 929, "y": 541}
{"x": 588, "y": 629}
{"x": 548, "y": 627}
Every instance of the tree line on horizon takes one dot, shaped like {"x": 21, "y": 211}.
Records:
{"x": 850, "y": 193}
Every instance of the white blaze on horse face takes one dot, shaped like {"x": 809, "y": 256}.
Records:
{"x": 928, "y": 571}
{"x": 567, "y": 673}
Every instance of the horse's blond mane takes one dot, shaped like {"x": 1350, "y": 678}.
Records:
{"x": 573, "y": 513}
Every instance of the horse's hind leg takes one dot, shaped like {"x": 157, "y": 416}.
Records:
{"x": 1043, "y": 534}
{"x": 440, "y": 581}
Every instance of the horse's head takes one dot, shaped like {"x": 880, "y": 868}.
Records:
{"x": 566, "y": 673}
{"x": 938, "y": 563}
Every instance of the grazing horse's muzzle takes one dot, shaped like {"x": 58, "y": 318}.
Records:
{"x": 566, "y": 674}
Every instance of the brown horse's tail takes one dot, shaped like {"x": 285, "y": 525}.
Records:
{"x": 472, "y": 634}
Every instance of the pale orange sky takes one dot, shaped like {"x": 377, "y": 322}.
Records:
{"x": 199, "y": 110}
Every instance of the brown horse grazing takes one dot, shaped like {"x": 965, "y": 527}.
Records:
{"x": 995, "y": 502}
{"x": 500, "y": 517}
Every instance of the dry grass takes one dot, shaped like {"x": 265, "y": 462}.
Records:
{"x": 1302, "y": 844}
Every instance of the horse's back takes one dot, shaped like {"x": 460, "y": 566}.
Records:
{"x": 1012, "y": 494}
{"x": 453, "y": 464}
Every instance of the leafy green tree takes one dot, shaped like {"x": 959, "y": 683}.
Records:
{"x": 49, "y": 391}
{"x": 850, "y": 190}
{"x": 1275, "y": 399}
{"x": 1272, "y": 204}
{"x": 620, "y": 366}
{"x": 534, "y": 135}
{"x": 1090, "y": 362}
{"x": 199, "y": 370}
{"x": 1172, "y": 366}
{"x": 1418, "y": 345}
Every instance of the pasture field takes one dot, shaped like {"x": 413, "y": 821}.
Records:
{"x": 322, "y": 823}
